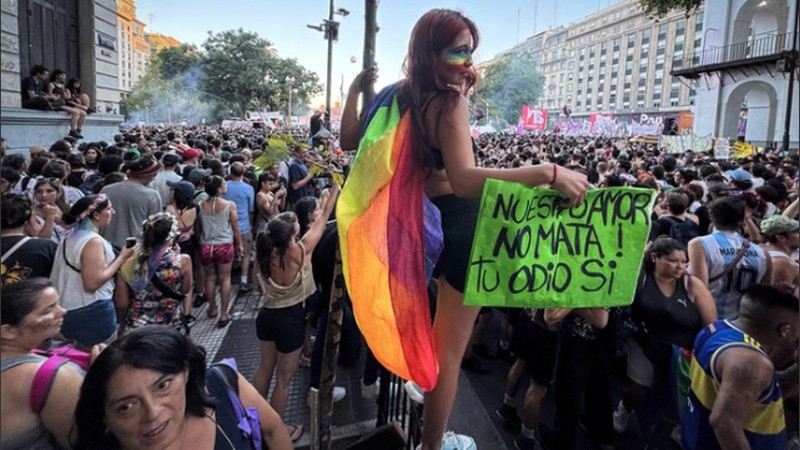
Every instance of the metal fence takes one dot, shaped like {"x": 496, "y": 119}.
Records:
{"x": 760, "y": 46}
{"x": 394, "y": 405}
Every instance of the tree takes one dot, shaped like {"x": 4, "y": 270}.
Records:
{"x": 170, "y": 62}
{"x": 510, "y": 82}
{"x": 660, "y": 8}
{"x": 238, "y": 66}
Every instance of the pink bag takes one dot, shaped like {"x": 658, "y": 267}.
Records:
{"x": 78, "y": 357}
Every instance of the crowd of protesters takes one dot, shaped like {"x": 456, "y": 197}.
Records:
{"x": 143, "y": 229}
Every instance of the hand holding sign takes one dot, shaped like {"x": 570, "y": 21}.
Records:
{"x": 528, "y": 251}
{"x": 571, "y": 184}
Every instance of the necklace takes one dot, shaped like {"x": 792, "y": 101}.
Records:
{"x": 219, "y": 428}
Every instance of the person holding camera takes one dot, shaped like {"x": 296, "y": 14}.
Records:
{"x": 84, "y": 268}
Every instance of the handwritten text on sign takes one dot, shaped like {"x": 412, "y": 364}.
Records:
{"x": 530, "y": 252}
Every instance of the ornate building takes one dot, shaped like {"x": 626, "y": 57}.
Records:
{"x": 617, "y": 61}
{"x": 78, "y": 37}
{"x": 743, "y": 72}
{"x": 134, "y": 49}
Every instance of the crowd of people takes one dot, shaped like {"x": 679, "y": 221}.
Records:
{"x": 116, "y": 243}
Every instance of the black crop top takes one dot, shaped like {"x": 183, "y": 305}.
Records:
{"x": 438, "y": 161}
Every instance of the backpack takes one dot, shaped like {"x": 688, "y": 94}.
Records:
{"x": 223, "y": 376}
{"x": 682, "y": 231}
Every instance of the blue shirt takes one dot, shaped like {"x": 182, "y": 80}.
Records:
{"x": 766, "y": 426}
{"x": 297, "y": 171}
{"x": 243, "y": 196}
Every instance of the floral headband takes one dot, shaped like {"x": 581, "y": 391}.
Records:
{"x": 93, "y": 207}
{"x": 173, "y": 232}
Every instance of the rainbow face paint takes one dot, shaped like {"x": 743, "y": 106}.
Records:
{"x": 459, "y": 57}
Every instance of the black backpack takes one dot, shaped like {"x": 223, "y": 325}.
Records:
{"x": 682, "y": 231}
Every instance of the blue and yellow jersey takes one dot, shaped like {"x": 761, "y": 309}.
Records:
{"x": 766, "y": 426}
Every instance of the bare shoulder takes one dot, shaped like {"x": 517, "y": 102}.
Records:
{"x": 744, "y": 367}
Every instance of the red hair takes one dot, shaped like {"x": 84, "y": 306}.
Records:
{"x": 433, "y": 32}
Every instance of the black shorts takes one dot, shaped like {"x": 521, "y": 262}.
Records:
{"x": 459, "y": 217}
{"x": 538, "y": 347}
{"x": 285, "y": 326}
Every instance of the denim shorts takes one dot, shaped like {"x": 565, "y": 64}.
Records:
{"x": 91, "y": 324}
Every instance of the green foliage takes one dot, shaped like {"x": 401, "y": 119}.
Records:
{"x": 508, "y": 83}
{"x": 239, "y": 66}
{"x": 235, "y": 72}
{"x": 171, "y": 62}
{"x": 659, "y": 8}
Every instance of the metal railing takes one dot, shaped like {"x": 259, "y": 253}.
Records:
{"x": 765, "y": 45}
{"x": 394, "y": 405}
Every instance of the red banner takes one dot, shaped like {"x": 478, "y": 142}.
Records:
{"x": 534, "y": 119}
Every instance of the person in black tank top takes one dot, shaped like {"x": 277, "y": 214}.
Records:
{"x": 669, "y": 307}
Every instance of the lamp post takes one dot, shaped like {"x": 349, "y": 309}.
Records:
{"x": 289, "y": 82}
{"x": 791, "y": 62}
{"x": 331, "y": 29}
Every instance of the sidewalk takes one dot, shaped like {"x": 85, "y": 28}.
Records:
{"x": 238, "y": 340}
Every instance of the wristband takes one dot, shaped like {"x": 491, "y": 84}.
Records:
{"x": 555, "y": 174}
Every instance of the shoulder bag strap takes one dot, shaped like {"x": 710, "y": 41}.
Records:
{"x": 166, "y": 290}
{"x": 64, "y": 252}
{"x": 43, "y": 381}
{"x": 14, "y": 248}
{"x": 732, "y": 265}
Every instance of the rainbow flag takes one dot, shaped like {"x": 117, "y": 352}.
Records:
{"x": 388, "y": 231}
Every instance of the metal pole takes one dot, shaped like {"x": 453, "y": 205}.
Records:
{"x": 330, "y": 68}
{"x": 792, "y": 68}
{"x": 370, "y": 32}
{"x": 330, "y": 354}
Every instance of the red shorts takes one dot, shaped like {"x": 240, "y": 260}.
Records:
{"x": 216, "y": 253}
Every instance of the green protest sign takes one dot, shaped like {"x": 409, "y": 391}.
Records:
{"x": 528, "y": 251}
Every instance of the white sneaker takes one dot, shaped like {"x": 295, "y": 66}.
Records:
{"x": 452, "y": 441}
{"x": 338, "y": 394}
{"x": 621, "y": 417}
{"x": 415, "y": 393}
{"x": 370, "y": 392}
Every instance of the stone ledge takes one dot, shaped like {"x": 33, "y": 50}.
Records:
{"x": 23, "y": 128}
{"x": 10, "y": 115}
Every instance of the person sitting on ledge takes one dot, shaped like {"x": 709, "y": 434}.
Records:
{"x": 77, "y": 98}
{"x": 57, "y": 87}
{"x": 38, "y": 94}
{"x": 33, "y": 90}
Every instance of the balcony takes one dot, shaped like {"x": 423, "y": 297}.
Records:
{"x": 765, "y": 49}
